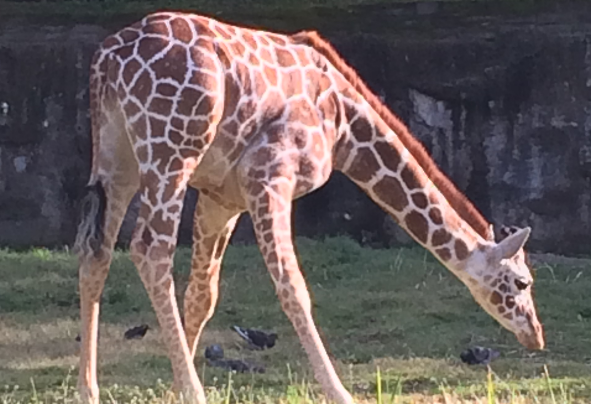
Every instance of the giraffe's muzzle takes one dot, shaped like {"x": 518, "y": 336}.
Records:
{"x": 534, "y": 338}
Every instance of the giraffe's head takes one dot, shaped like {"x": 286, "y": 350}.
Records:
{"x": 499, "y": 278}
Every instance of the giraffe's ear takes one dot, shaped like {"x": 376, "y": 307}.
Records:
{"x": 509, "y": 246}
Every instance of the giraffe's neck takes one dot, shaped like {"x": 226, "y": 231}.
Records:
{"x": 382, "y": 162}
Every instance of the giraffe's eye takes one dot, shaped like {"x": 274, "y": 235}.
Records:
{"x": 521, "y": 285}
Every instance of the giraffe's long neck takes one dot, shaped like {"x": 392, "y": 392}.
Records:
{"x": 388, "y": 168}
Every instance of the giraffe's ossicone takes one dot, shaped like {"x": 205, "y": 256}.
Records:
{"x": 253, "y": 120}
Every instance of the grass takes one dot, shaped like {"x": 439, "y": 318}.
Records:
{"x": 395, "y": 321}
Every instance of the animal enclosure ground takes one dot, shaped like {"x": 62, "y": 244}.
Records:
{"x": 396, "y": 310}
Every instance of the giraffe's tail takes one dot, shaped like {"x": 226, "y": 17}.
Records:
{"x": 89, "y": 238}
{"x": 90, "y": 235}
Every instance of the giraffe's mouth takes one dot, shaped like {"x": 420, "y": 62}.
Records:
{"x": 533, "y": 338}
{"x": 533, "y": 341}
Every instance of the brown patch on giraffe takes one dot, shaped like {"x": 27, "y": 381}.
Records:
{"x": 166, "y": 90}
{"x": 364, "y": 166}
{"x": 487, "y": 278}
{"x": 111, "y": 41}
{"x": 176, "y": 164}
{"x": 181, "y": 30}
{"x": 435, "y": 216}
{"x": 496, "y": 298}
{"x": 420, "y": 200}
{"x": 278, "y": 39}
{"x": 302, "y": 55}
{"x": 271, "y": 75}
{"x": 259, "y": 84}
{"x": 440, "y": 237}
{"x": 177, "y": 123}
{"x": 147, "y": 236}
{"x": 148, "y": 47}
{"x": 508, "y": 316}
{"x": 231, "y": 96}
{"x": 510, "y": 302}
{"x": 140, "y": 127}
{"x": 417, "y": 225}
{"x": 411, "y": 179}
{"x": 238, "y": 49}
{"x": 222, "y": 31}
{"x": 461, "y": 250}
{"x": 246, "y": 110}
{"x": 188, "y": 152}
{"x": 131, "y": 108}
{"x": 285, "y": 58}
{"x": 201, "y": 59}
{"x": 266, "y": 56}
{"x": 504, "y": 288}
{"x": 189, "y": 97}
{"x": 494, "y": 283}
{"x": 457, "y": 200}
{"x": 301, "y": 111}
{"x": 444, "y": 254}
{"x": 388, "y": 154}
{"x": 161, "y": 106}
{"x": 164, "y": 69}
{"x": 501, "y": 309}
{"x": 129, "y": 35}
{"x": 162, "y": 152}
{"x": 362, "y": 130}
{"x": 157, "y": 128}
{"x": 253, "y": 59}
{"x": 272, "y": 264}
{"x": 197, "y": 127}
{"x": 291, "y": 83}
{"x": 204, "y": 108}
{"x": 142, "y": 88}
{"x": 161, "y": 225}
{"x": 125, "y": 52}
{"x": 175, "y": 136}
{"x": 249, "y": 39}
{"x": 389, "y": 191}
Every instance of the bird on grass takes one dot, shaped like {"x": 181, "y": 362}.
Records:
{"x": 215, "y": 357}
{"x": 256, "y": 339}
{"x": 479, "y": 355}
{"x": 136, "y": 332}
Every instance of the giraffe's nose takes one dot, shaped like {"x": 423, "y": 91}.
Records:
{"x": 534, "y": 337}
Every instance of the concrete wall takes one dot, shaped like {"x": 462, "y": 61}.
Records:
{"x": 502, "y": 102}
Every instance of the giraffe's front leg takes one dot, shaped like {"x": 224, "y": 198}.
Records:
{"x": 213, "y": 225}
{"x": 270, "y": 208}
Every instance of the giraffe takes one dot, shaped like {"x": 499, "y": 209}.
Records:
{"x": 253, "y": 120}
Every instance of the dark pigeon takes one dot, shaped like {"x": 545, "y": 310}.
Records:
{"x": 479, "y": 355}
{"x": 256, "y": 338}
{"x": 136, "y": 332}
{"x": 214, "y": 352}
{"x": 215, "y": 357}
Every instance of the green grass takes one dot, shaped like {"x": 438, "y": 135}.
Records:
{"x": 395, "y": 310}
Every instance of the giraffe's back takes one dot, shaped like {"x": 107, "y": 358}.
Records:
{"x": 190, "y": 85}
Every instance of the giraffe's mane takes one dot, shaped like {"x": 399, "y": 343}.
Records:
{"x": 456, "y": 199}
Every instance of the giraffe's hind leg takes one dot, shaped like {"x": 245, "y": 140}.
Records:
{"x": 213, "y": 226}
{"x": 103, "y": 210}
{"x": 152, "y": 250}
{"x": 269, "y": 203}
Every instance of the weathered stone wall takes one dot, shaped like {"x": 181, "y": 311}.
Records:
{"x": 503, "y": 104}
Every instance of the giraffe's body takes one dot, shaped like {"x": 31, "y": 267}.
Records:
{"x": 253, "y": 120}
